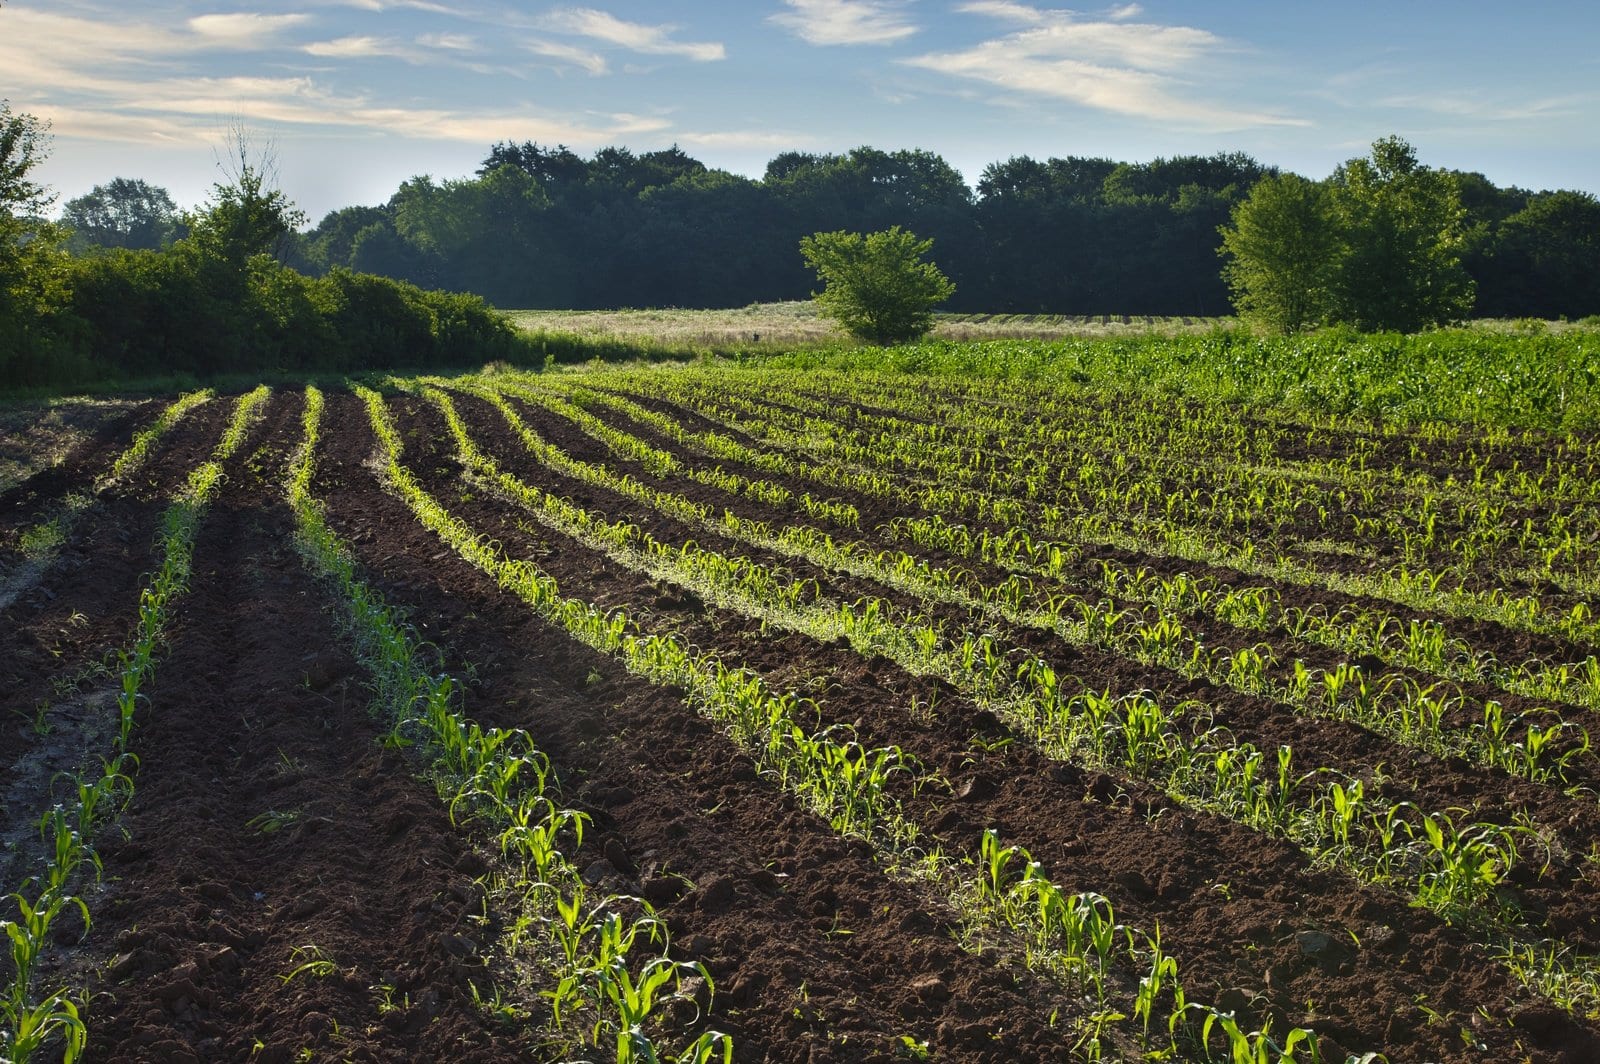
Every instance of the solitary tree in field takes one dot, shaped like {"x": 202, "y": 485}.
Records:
{"x": 1283, "y": 253}
{"x": 877, "y": 286}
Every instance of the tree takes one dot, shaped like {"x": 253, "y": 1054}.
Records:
{"x": 877, "y": 286}
{"x": 1379, "y": 245}
{"x": 1283, "y": 251}
{"x": 1551, "y": 248}
{"x": 24, "y": 143}
{"x": 247, "y": 213}
{"x": 31, "y": 287}
{"x": 1404, "y": 231}
{"x": 123, "y": 213}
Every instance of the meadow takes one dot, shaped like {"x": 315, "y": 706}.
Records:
{"x": 1155, "y": 697}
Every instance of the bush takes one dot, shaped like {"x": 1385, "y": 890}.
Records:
{"x": 130, "y": 314}
{"x": 877, "y": 286}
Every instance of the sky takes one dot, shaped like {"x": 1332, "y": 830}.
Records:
{"x": 355, "y": 96}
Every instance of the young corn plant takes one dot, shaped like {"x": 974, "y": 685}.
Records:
{"x": 30, "y": 1023}
{"x": 497, "y": 778}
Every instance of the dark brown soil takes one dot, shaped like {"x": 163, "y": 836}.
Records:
{"x": 268, "y": 819}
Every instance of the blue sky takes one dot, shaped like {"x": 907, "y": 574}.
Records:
{"x": 357, "y": 95}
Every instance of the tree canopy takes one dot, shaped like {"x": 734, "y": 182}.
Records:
{"x": 122, "y": 213}
{"x": 877, "y": 286}
{"x": 1379, "y": 245}
{"x": 1283, "y": 251}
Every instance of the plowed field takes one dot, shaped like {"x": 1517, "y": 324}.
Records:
{"x": 865, "y": 720}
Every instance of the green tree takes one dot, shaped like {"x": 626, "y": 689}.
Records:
{"x": 32, "y": 289}
{"x": 247, "y": 214}
{"x": 1552, "y": 250}
{"x": 24, "y": 143}
{"x": 123, "y": 213}
{"x": 1404, "y": 230}
{"x": 1283, "y": 251}
{"x": 877, "y": 286}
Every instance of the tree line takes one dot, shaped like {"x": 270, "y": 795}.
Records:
{"x": 542, "y": 227}
{"x": 125, "y": 284}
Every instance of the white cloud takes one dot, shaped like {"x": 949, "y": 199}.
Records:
{"x": 132, "y": 83}
{"x": 732, "y": 139}
{"x": 360, "y": 48}
{"x": 428, "y": 49}
{"x": 243, "y": 29}
{"x": 828, "y": 22}
{"x": 1130, "y": 68}
{"x": 634, "y": 36}
{"x": 1474, "y": 106}
{"x": 1123, "y": 12}
{"x": 389, "y": 5}
{"x": 1004, "y": 9}
{"x": 593, "y": 62}
{"x": 450, "y": 42}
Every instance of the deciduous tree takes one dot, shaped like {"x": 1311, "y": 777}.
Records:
{"x": 1283, "y": 254}
{"x": 247, "y": 213}
{"x": 123, "y": 213}
{"x": 877, "y": 286}
{"x": 1404, "y": 229}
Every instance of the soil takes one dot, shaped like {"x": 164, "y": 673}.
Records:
{"x": 271, "y": 827}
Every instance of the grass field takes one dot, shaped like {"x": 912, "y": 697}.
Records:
{"x": 780, "y": 326}
{"x": 966, "y": 706}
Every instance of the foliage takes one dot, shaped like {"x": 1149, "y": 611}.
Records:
{"x": 1403, "y": 225}
{"x": 23, "y": 146}
{"x": 123, "y": 213}
{"x": 1379, "y": 245}
{"x": 246, "y": 215}
{"x": 1072, "y": 235}
{"x": 1547, "y": 380}
{"x": 30, "y": 252}
{"x": 1551, "y": 249}
{"x": 1282, "y": 252}
{"x": 877, "y": 286}
{"x": 214, "y": 302}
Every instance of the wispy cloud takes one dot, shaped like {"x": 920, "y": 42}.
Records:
{"x": 450, "y": 42}
{"x": 634, "y": 36}
{"x": 828, "y": 22}
{"x": 1476, "y": 107}
{"x": 593, "y": 62}
{"x": 1005, "y": 9}
{"x": 428, "y": 49}
{"x": 752, "y": 139}
{"x": 242, "y": 29}
{"x": 1131, "y": 68}
{"x": 94, "y": 80}
{"x": 392, "y": 5}
{"x": 362, "y": 48}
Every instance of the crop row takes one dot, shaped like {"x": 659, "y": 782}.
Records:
{"x": 1424, "y": 644}
{"x": 30, "y": 1019}
{"x": 1445, "y": 857}
{"x": 1392, "y": 704}
{"x": 844, "y": 782}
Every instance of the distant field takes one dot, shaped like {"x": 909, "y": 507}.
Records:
{"x": 781, "y": 325}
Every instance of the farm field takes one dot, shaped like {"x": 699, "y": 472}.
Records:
{"x": 781, "y": 326}
{"x": 790, "y": 715}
